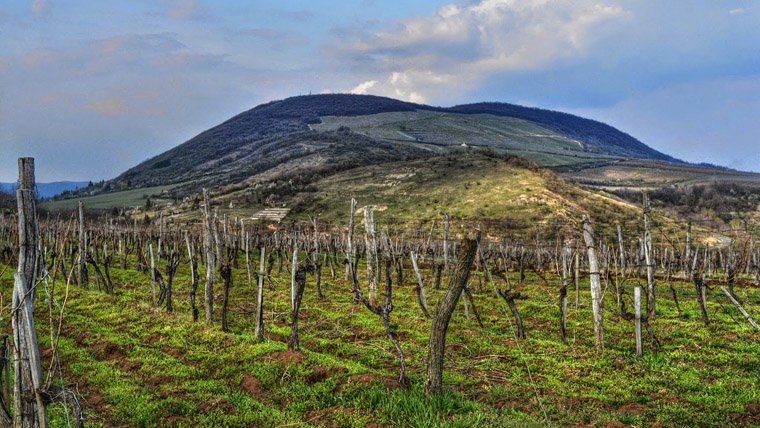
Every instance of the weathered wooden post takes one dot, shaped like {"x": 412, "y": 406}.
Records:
{"x": 563, "y": 294}
{"x": 208, "y": 246}
{"x": 350, "y": 243}
{"x": 637, "y": 309}
{"x": 446, "y": 226}
{"x": 294, "y": 268}
{"x": 688, "y": 247}
{"x": 371, "y": 242}
{"x": 152, "y": 274}
{"x": 621, "y": 244}
{"x": 649, "y": 259}
{"x": 82, "y": 262}
{"x": 421, "y": 298}
{"x": 739, "y": 307}
{"x": 596, "y": 285}
{"x": 30, "y": 408}
{"x": 193, "y": 276}
{"x": 444, "y": 310}
{"x": 259, "y": 329}
{"x": 577, "y": 278}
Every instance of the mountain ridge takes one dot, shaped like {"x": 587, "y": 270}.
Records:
{"x": 202, "y": 158}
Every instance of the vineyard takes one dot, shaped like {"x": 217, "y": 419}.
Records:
{"x": 115, "y": 321}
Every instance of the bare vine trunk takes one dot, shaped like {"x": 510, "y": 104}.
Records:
{"x": 444, "y": 310}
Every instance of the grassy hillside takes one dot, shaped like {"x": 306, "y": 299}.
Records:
{"x": 471, "y": 185}
{"x": 648, "y": 174}
{"x": 712, "y": 197}
{"x": 232, "y": 151}
{"x": 123, "y": 199}
{"x": 447, "y": 130}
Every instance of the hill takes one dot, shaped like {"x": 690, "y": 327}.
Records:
{"x": 272, "y": 133}
{"x": 281, "y": 148}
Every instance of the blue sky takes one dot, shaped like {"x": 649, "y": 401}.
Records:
{"x": 93, "y": 88}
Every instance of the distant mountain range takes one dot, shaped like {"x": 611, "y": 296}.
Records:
{"x": 319, "y": 134}
{"x": 47, "y": 190}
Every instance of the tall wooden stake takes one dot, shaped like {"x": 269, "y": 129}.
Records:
{"x": 596, "y": 284}
{"x": 637, "y": 309}
{"x": 259, "y": 329}
{"x": 371, "y": 242}
{"x": 208, "y": 247}
{"x": 30, "y": 409}
{"x": 649, "y": 258}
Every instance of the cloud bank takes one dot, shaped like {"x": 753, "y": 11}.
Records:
{"x": 418, "y": 55}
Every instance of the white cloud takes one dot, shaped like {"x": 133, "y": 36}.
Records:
{"x": 362, "y": 88}
{"x": 736, "y": 11}
{"x": 471, "y": 43}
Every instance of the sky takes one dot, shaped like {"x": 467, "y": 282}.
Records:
{"x": 92, "y": 88}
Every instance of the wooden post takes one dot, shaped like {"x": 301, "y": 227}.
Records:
{"x": 446, "y": 227}
{"x": 421, "y": 298}
{"x": 563, "y": 295}
{"x": 577, "y": 279}
{"x": 350, "y": 243}
{"x": 596, "y": 285}
{"x": 621, "y": 244}
{"x": 649, "y": 259}
{"x": 259, "y": 329}
{"x": 152, "y": 273}
{"x": 637, "y": 308}
{"x": 82, "y": 262}
{"x": 688, "y": 247}
{"x": 294, "y": 268}
{"x": 30, "y": 409}
{"x": 371, "y": 242}
{"x": 208, "y": 246}
{"x": 739, "y": 307}
{"x": 444, "y": 310}
{"x": 193, "y": 276}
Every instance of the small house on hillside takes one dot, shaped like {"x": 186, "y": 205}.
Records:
{"x": 234, "y": 203}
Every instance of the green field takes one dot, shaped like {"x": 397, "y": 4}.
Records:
{"x": 437, "y": 130}
{"x": 126, "y": 198}
{"x": 136, "y": 365}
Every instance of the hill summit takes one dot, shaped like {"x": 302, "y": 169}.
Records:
{"x": 312, "y": 134}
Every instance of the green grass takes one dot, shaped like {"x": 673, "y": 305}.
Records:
{"x": 470, "y": 185}
{"x": 136, "y": 365}
{"x": 126, "y": 198}
{"x": 433, "y": 129}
